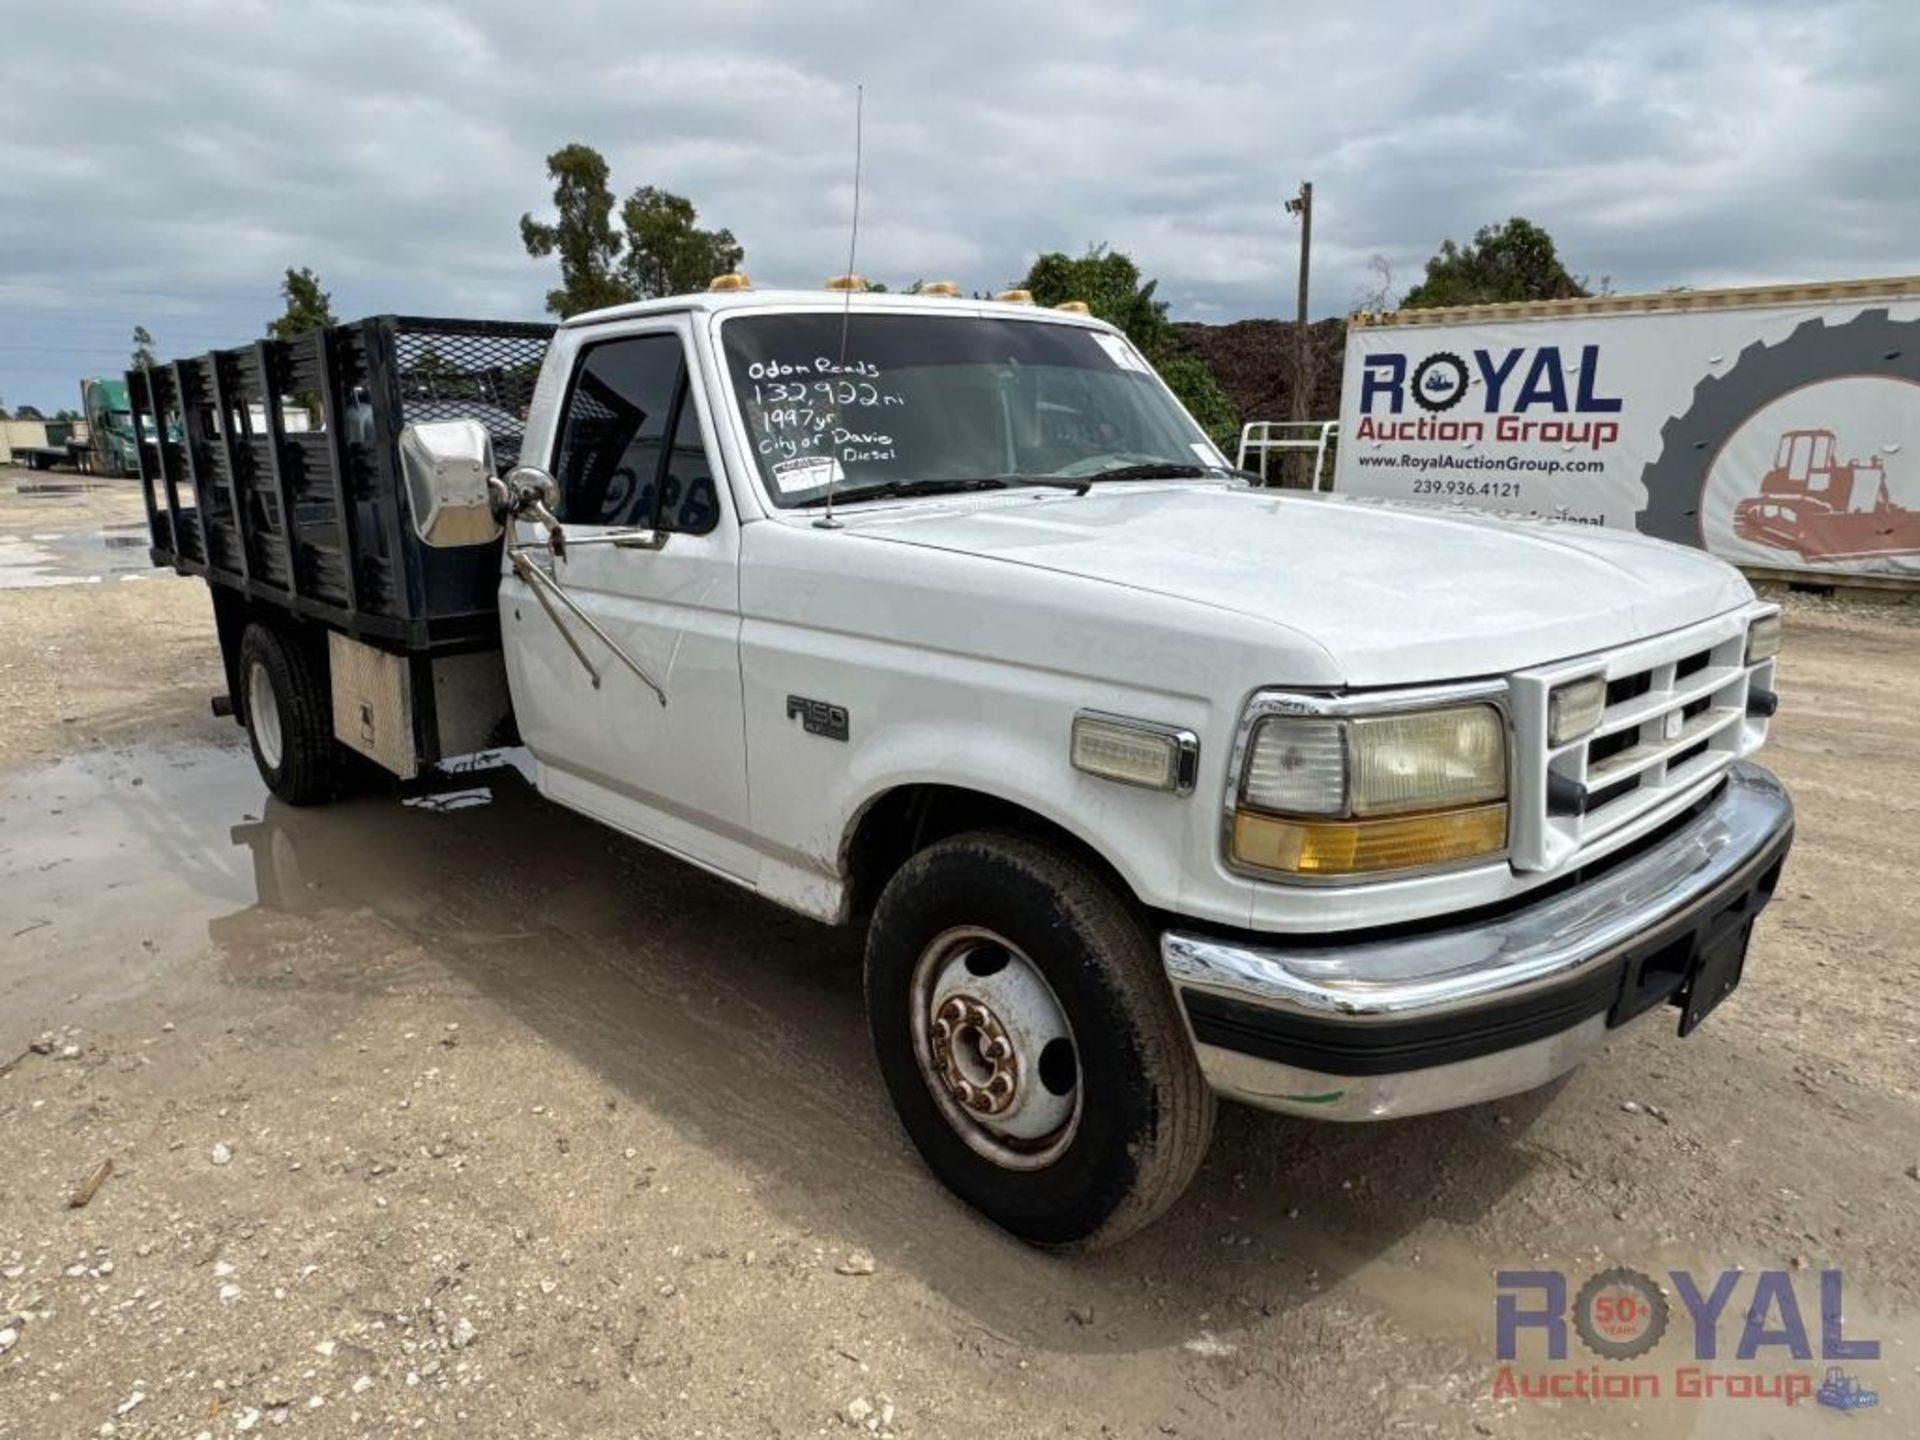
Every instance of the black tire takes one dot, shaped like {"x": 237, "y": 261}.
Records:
{"x": 1144, "y": 1112}
{"x": 307, "y": 770}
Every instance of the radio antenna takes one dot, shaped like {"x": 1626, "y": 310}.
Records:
{"x": 827, "y": 522}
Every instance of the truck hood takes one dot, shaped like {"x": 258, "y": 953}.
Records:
{"x": 1395, "y": 594}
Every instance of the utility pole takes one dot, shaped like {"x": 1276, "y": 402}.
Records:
{"x": 1302, "y": 206}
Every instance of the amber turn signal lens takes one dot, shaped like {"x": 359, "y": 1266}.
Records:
{"x": 1366, "y": 847}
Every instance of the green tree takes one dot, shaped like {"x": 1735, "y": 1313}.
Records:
{"x": 667, "y": 251}
{"x": 1514, "y": 261}
{"x": 1110, "y": 284}
{"x": 142, "y": 356}
{"x": 3, "y": 410}
{"x": 1115, "y": 291}
{"x": 582, "y": 234}
{"x": 308, "y": 306}
{"x": 28, "y": 412}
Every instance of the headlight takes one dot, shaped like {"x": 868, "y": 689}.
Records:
{"x": 1763, "y": 638}
{"x": 1333, "y": 796}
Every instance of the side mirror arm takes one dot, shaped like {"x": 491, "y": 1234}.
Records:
{"x": 530, "y": 494}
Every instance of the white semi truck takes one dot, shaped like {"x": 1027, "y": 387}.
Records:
{"x": 941, "y": 617}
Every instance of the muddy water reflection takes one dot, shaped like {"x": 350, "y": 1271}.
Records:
{"x": 117, "y": 866}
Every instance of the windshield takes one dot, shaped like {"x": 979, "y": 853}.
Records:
{"x": 930, "y": 398}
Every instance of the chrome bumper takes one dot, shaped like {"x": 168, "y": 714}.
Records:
{"x": 1412, "y": 1023}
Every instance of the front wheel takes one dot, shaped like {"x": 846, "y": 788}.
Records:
{"x": 1030, "y": 1042}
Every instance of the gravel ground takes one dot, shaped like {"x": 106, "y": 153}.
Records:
{"x": 460, "y": 1116}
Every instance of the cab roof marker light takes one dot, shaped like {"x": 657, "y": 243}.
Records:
{"x": 847, "y": 282}
{"x": 1015, "y": 297}
{"x": 732, "y": 280}
{"x": 1074, "y": 307}
{"x": 947, "y": 288}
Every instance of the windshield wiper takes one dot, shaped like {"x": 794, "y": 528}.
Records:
{"x": 1156, "y": 470}
{"x": 907, "y": 489}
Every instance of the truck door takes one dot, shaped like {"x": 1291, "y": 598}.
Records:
{"x": 632, "y": 450}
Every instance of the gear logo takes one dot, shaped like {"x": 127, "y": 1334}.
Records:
{"x": 1439, "y": 381}
{"x": 1620, "y": 1314}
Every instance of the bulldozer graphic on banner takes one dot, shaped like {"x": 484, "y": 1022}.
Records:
{"x": 1823, "y": 508}
{"x": 1840, "y": 1391}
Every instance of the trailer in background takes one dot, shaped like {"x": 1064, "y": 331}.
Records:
{"x": 45, "y": 444}
{"x": 1778, "y": 427}
{"x": 103, "y": 442}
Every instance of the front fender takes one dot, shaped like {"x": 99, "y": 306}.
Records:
{"x": 809, "y": 802}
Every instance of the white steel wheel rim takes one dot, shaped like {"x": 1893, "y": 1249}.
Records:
{"x": 995, "y": 1048}
{"x": 263, "y": 714}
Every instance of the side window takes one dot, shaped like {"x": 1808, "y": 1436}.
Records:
{"x": 689, "y": 501}
{"x": 630, "y": 451}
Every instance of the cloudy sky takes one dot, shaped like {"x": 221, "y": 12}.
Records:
{"x": 163, "y": 162}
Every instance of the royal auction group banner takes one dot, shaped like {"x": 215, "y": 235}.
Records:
{"x": 1777, "y": 435}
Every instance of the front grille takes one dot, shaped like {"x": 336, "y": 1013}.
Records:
{"x": 1675, "y": 719}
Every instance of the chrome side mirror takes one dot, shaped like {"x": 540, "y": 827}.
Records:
{"x": 447, "y": 467}
{"x": 527, "y": 489}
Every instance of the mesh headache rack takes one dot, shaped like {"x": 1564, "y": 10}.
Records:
{"x": 272, "y": 468}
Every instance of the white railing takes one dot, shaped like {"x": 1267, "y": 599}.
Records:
{"x": 1260, "y": 438}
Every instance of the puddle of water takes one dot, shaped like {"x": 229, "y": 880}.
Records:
{"x": 27, "y": 565}
{"x": 56, "y": 487}
{"x": 111, "y": 864}
{"x": 71, "y": 558}
{"x": 117, "y": 867}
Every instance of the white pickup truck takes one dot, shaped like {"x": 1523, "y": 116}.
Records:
{"x": 942, "y": 617}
